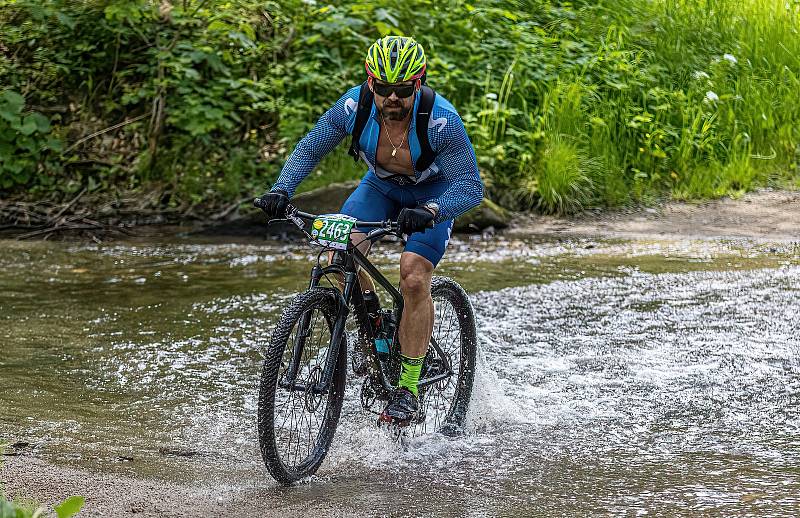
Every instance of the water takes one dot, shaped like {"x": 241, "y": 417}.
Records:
{"x": 615, "y": 377}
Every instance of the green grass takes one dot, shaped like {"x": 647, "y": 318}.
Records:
{"x": 568, "y": 104}
{"x": 684, "y": 99}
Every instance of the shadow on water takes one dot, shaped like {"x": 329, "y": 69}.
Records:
{"x": 613, "y": 376}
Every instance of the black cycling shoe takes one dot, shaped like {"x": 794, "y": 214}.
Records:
{"x": 401, "y": 410}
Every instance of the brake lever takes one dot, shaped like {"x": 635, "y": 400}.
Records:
{"x": 291, "y": 215}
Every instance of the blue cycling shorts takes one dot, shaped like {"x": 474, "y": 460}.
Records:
{"x": 376, "y": 200}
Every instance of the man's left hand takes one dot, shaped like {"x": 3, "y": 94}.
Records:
{"x": 414, "y": 220}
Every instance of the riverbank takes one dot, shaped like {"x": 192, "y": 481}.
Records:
{"x": 100, "y": 218}
{"x": 764, "y": 215}
{"x": 567, "y": 106}
{"x": 112, "y": 494}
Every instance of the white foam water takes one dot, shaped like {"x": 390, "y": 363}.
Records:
{"x": 611, "y": 378}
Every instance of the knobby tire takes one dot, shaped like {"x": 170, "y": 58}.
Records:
{"x": 456, "y": 334}
{"x": 275, "y": 441}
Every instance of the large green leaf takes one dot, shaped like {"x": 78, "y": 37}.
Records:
{"x": 7, "y": 509}
{"x": 70, "y": 507}
{"x": 8, "y": 115}
{"x": 14, "y": 100}
{"x": 11, "y": 104}
{"x": 42, "y": 122}
{"x": 28, "y": 126}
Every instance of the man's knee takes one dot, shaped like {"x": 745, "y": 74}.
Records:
{"x": 415, "y": 275}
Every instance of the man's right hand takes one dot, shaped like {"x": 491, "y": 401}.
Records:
{"x": 273, "y": 203}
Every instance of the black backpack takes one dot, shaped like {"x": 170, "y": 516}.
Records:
{"x": 365, "y": 99}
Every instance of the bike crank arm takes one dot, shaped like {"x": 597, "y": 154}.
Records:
{"x": 430, "y": 381}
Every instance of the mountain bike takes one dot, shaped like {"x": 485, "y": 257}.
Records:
{"x": 305, "y": 363}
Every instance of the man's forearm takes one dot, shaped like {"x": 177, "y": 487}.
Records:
{"x": 320, "y": 141}
{"x": 460, "y": 197}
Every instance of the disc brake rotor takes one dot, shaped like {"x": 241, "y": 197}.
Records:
{"x": 312, "y": 399}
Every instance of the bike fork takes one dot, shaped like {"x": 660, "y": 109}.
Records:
{"x": 299, "y": 346}
{"x": 336, "y": 336}
{"x": 334, "y": 350}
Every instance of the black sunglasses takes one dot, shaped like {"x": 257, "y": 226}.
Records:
{"x": 385, "y": 89}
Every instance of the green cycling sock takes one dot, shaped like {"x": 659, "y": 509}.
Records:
{"x": 409, "y": 375}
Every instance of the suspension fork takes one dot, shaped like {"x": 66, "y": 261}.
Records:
{"x": 289, "y": 380}
{"x": 337, "y": 344}
{"x": 297, "y": 350}
{"x": 302, "y": 333}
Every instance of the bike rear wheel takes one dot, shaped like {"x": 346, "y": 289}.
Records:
{"x": 295, "y": 424}
{"x": 444, "y": 404}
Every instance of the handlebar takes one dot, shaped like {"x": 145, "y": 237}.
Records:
{"x": 389, "y": 226}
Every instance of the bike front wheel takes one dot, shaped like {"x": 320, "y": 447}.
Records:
{"x": 297, "y": 420}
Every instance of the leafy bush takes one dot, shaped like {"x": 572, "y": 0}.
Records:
{"x": 23, "y": 140}
{"x": 640, "y": 98}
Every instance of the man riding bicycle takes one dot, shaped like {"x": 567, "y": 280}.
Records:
{"x": 394, "y": 187}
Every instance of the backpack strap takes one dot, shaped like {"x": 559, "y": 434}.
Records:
{"x": 424, "y": 109}
{"x": 362, "y": 114}
{"x": 365, "y": 101}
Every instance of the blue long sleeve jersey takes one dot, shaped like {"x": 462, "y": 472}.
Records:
{"x": 455, "y": 156}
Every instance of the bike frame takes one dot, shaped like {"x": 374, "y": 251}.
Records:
{"x": 346, "y": 263}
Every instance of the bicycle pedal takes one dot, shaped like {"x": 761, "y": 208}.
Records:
{"x": 386, "y": 421}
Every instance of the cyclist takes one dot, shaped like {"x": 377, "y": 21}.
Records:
{"x": 393, "y": 188}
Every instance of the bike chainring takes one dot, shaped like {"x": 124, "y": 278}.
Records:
{"x": 371, "y": 393}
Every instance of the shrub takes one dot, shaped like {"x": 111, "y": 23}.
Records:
{"x": 660, "y": 97}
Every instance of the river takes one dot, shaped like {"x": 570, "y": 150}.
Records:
{"x": 614, "y": 377}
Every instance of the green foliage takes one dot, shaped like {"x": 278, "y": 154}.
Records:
{"x": 70, "y": 507}
{"x": 698, "y": 101}
{"x": 67, "y": 509}
{"x": 23, "y": 140}
{"x": 563, "y": 184}
{"x": 567, "y": 104}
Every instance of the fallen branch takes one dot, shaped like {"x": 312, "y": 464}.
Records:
{"x": 56, "y": 229}
{"x": 70, "y": 204}
{"x": 230, "y": 208}
{"x": 103, "y": 131}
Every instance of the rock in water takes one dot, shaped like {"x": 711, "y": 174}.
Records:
{"x": 487, "y": 214}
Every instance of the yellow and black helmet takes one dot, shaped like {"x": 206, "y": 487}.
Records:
{"x": 394, "y": 59}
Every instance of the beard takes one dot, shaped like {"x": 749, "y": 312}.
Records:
{"x": 395, "y": 111}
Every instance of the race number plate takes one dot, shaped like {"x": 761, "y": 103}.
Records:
{"x": 332, "y": 230}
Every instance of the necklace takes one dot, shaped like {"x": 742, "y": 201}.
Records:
{"x": 405, "y": 134}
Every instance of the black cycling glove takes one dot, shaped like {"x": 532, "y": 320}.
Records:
{"x": 414, "y": 220}
{"x": 274, "y": 203}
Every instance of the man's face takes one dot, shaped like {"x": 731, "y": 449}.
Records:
{"x": 387, "y": 100}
